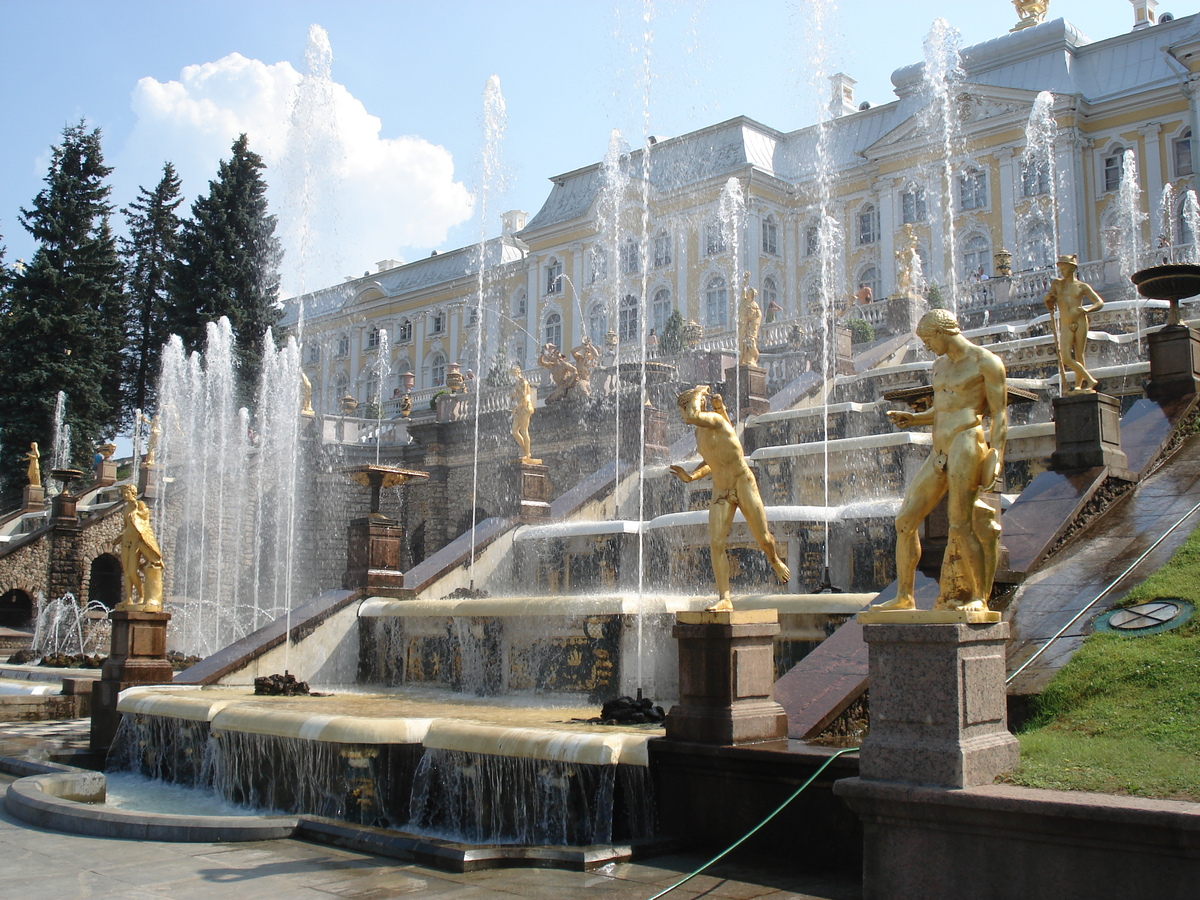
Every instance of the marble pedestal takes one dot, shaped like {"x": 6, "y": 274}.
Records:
{"x": 1087, "y": 432}
{"x": 726, "y": 678}
{"x": 529, "y": 486}
{"x": 1174, "y": 362}
{"x": 373, "y": 555}
{"x": 34, "y": 498}
{"x": 750, "y": 382}
{"x": 938, "y": 712}
{"x": 137, "y": 655}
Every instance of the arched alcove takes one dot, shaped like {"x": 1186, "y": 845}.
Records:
{"x": 105, "y": 581}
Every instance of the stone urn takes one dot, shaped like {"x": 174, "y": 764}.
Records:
{"x": 1172, "y": 282}
{"x": 1002, "y": 263}
{"x": 692, "y": 333}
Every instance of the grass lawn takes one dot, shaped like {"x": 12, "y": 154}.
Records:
{"x": 1123, "y": 716}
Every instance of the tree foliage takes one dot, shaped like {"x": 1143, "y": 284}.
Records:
{"x": 671, "y": 340}
{"x": 150, "y": 251}
{"x": 229, "y": 262}
{"x": 64, "y": 317}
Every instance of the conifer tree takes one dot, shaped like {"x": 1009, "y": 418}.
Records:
{"x": 150, "y": 253}
{"x": 63, "y": 319}
{"x": 229, "y": 262}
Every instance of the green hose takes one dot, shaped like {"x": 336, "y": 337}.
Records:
{"x": 755, "y": 829}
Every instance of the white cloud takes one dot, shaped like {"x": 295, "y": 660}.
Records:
{"x": 368, "y": 197}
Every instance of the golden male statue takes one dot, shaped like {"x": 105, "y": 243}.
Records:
{"x": 749, "y": 320}
{"x": 968, "y": 384}
{"x": 734, "y": 486}
{"x": 1067, "y": 295}
{"x": 522, "y": 412}
{"x": 141, "y": 558}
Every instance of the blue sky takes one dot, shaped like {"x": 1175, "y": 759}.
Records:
{"x": 179, "y": 80}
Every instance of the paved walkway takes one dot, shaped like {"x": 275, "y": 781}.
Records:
{"x": 42, "y": 865}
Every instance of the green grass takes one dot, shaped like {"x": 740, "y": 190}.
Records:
{"x": 1123, "y": 716}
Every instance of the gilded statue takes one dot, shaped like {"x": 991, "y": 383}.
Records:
{"x": 734, "y": 486}
{"x": 564, "y": 375}
{"x": 141, "y": 558}
{"x": 968, "y": 384}
{"x": 1032, "y": 12}
{"x": 152, "y": 443}
{"x": 587, "y": 357}
{"x": 306, "y": 407}
{"x": 749, "y": 318}
{"x": 908, "y": 264}
{"x": 522, "y": 412}
{"x": 1065, "y": 300}
{"x": 34, "y": 471}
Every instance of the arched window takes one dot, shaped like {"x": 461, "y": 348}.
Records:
{"x": 769, "y": 301}
{"x": 976, "y": 256}
{"x": 770, "y": 236}
{"x": 627, "y": 319}
{"x": 1037, "y": 249}
{"x": 714, "y": 239}
{"x": 597, "y": 323}
{"x": 553, "y": 331}
{"x": 598, "y": 267}
{"x": 343, "y": 345}
{"x": 972, "y": 189}
{"x": 405, "y": 365}
{"x": 869, "y": 277}
{"x": 631, "y": 257}
{"x": 716, "y": 302}
{"x": 661, "y": 310}
{"x": 1181, "y": 150}
{"x": 520, "y": 306}
{"x": 662, "y": 249}
{"x": 437, "y": 370}
{"x": 1114, "y": 168}
{"x": 554, "y": 276}
{"x": 868, "y": 224}
{"x": 404, "y": 331}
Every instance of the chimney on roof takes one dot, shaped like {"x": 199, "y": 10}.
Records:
{"x": 841, "y": 102}
{"x": 1145, "y": 13}
{"x": 384, "y": 264}
{"x": 513, "y": 221}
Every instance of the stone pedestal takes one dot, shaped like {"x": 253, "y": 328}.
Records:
{"x": 529, "y": 485}
{"x": 63, "y": 509}
{"x": 137, "y": 655}
{"x": 657, "y": 450}
{"x": 938, "y": 712}
{"x": 726, "y": 678}
{"x": 147, "y": 483}
{"x": 750, "y": 382}
{"x": 106, "y": 473}
{"x": 903, "y": 313}
{"x": 1087, "y": 432}
{"x": 33, "y": 498}
{"x": 1174, "y": 362}
{"x": 373, "y": 555}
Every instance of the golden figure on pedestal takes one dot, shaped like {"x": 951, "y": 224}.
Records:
{"x": 141, "y": 558}
{"x": 564, "y": 375}
{"x": 34, "y": 471}
{"x": 734, "y": 486}
{"x": 968, "y": 384}
{"x": 522, "y": 412}
{"x": 306, "y": 407}
{"x": 749, "y": 319}
{"x": 1065, "y": 299}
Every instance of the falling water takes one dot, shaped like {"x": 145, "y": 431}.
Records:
{"x": 943, "y": 73}
{"x": 1038, "y": 164}
{"x": 495, "y": 119}
{"x": 1191, "y": 218}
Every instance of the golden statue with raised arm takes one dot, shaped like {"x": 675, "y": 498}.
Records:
{"x": 968, "y": 384}
{"x": 1066, "y": 299}
{"x": 749, "y": 319}
{"x": 734, "y": 486}
{"x": 141, "y": 558}
{"x": 522, "y": 412}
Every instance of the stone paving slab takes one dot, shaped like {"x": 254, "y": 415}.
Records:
{"x": 52, "y": 866}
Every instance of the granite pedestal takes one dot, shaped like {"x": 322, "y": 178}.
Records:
{"x": 1174, "y": 362}
{"x": 751, "y": 387}
{"x": 529, "y": 486}
{"x": 33, "y": 498}
{"x": 938, "y": 712}
{"x": 137, "y": 655}
{"x": 726, "y": 678}
{"x": 1087, "y": 432}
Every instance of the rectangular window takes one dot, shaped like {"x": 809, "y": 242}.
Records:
{"x": 868, "y": 226}
{"x": 554, "y": 278}
{"x": 662, "y": 250}
{"x": 912, "y": 206}
{"x": 812, "y": 240}
{"x": 1035, "y": 178}
{"x": 1114, "y": 168}
{"x": 714, "y": 241}
{"x": 439, "y": 323}
{"x": 1183, "y": 155}
{"x": 770, "y": 237}
{"x": 972, "y": 190}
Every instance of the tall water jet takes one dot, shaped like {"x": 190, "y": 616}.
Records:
{"x": 1039, "y": 185}
{"x": 943, "y": 75}
{"x": 495, "y": 119}
{"x": 614, "y": 183}
{"x": 1167, "y": 238}
{"x": 1130, "y": 217}
{"x": 732, "y": 206}
{"x": 1191, "y": 219}
{"x": 60, "y": 447}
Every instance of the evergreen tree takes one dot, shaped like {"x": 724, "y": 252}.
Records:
{"x": 150, "y": 253}
{"x": 229, "y": 262}
{"x": 671, "y": 340}
{"x": 63, "y": 319}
